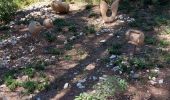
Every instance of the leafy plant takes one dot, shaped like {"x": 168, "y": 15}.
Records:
{"x": 49, "y": 37}
{"x": 11, "y": 83}
{"x": 89, "y": 6}
{"x": 115, "y": 49}
{"x": 109, "y": 86}
{"x": 163, "y": 43}
{"x": 30, "y": 86}
{"x": 150, "y": 40}
{"x": 92, "y": 14}
{"x": 72, "y": 28}
{"x": 67, "y": 57}
{"x": 7, "y": 9}
{"x": 138, "y": 63}
{"x": 90, "y": 29}
{"x": 29, "y": 71}
{"x": 85, "y": 96}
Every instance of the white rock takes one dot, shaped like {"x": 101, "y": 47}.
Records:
{"x": 112, "y": 57}
{"x": 81, "y": 33}
{"x": 38, "y": 98}
{"x": 104, "y": 75}
{"x": 152, "y": 82}
{"x": 53, "y": 57}
{"x": 66, "y": 85}
{"x": 65, "y": 42}
{"x": 135, "y": 76}
{"x": 161, "y": 81}
{"x": 82, "y": 81}
{"x": 72, "y": 38}
{"x": 107, "y": 66}
{"x": 118, "y": 36}
{"x": 80, "y": 86}
{"x": 94, "y": 78}
{"x": 153, "y": 78}
{"x": 102, "y": 78}
{"x": 102, "y": 41}
{"x": 116, "y": 68}
{"x": 111, "y": 34}
{"x": 111, "y": 64}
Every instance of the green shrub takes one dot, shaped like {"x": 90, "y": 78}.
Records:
{"x": 30, "y": 86}
{"x": 115, "y": 49}
{"x": 104, "y": 89}
{"x": 7, "y": 9}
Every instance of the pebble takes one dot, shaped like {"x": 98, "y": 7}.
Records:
{"x": 94, "y": 78}
{"x": 161, "y": 81}
{"x": 112, "y": 57}
{"x": 116, "y": 68}
{"x": 102, "y": 41}
{"x": 152, "y": 82}
{"x": 80, "y": 86}
{"x": 81, "y": 33}
{"x": 38, "y": 98}
{"x": 66, "y": 85}
{"x": 82, "y": 81}
{"x": 135, "y": 76}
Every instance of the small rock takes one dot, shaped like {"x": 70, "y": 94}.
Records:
{"x": 102, "y": 78}
{"x": 72, "y": 38}
{"x": 38, "y": 98}
{"x": 2, "y": 86}
{"x": 81, "y": 33}
{"x": 152, "y": 82}
{"x": 66, "y": 85}
{"x": 111, "y": 34}
{"x": 94, "y": 78}
{"x": 90, "y": 67}
{"x": 135, "y": 76}
{"x": 161, "y": 81}
{"x": 65, "y": 42}
{"x": 53, "y": 57}
{"x": 116, "y": 68}
{"x": 82, "y": 81}
{"x": 118, "y": 36}
{"x": 107, "y": 66}
{"x": 102, "y": 41}
{"x": 153, "y": 78}
{"x": 112, "y": 57}
{"x": 80, "y": 86}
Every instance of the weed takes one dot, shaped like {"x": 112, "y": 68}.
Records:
{"x": 68, "y": 46}
{"x": 163, "y": 43}
{"x": 60, "y": 23}
{"x": 93, "y": 15}
{"x": 90, "y": 29}
{"x": 49, "y": 37}
{"x": 11, "y": 83}
{"x": 40, "y": 65}
{"x": 151, "y": 40}
{"x": 67, "y": 57}
{"x": 54, "y": 51}
{"x": 167, "y": 58}
{"x": 109, "y": 86}
{"x": 89, "y": 7}
{"x": 138, "y": 63}
{"x": 72, "y": 28}
{"x": 30, "y": 86}
{"x": 85, "y": 96}
{"x": 115, "y": 49}
{"x": 44, "y": 84}
{"x": 105, "y": 60}
{"x": 29, "y": 71}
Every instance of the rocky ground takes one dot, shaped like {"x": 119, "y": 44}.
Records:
{"x": 80, "y": 51}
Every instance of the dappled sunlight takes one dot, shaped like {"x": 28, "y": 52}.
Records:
{"x": 83, "y": 57}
